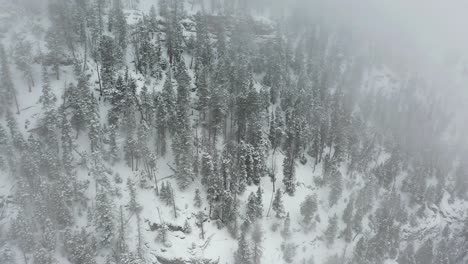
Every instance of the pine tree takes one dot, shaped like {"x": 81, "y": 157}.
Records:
{"x": 17, "y": 137}
{"x": 407, "y": 256}
{"x": 286, "y": 232}
{"x": 332, "y": 229}
{"x": 163, "y": 8}
{"x": 289, "y": 251}
{"x": 7, "y": 255}
{"x": 7, "y": 90}
{"x": 119, "y": 22}
{"x": 108, "y": 58}
{"x": 336, "y": 187}
{"x": 104, "y": 219}
{"x": 289, "y": 173}
{"x": 114, "y": 150}
{"x": 308, "y": 209}
{"x": 68, "y": 146}
{"x": 207, "y": 168}
{"x": 24, "y": 59}
{"x": 165, "y": 193}
{"x": 243, "y": 255}
{"x": 133, "y": 206}
{"x": 22, "y": 231}
{"x": 187, "y": 227}
{"x": 348, "y": 220}
{"x": 359, "y": 254}
{"x": 278, "y": 205}
{"x": 48, "y": 236}
{"x": 252, "y": 208}
{"x": 56, "y": 52}
{"x": 425, "y": 253}
{"x": 259, "y": 206}
{"x": 43, "y": 256}
{"x": 197, "y": 200}
{"x": 257, "y": 249}
{"x": 201, "y": 218}
{"x": 79, "y": 246}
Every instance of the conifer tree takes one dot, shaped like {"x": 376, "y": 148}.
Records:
{"x": 259, "y": 204}
{"x": 336, "y": 187}
{"x": 243, "y": 255}
{"x": 7, "y": 255}
{"x": 197, "y": 200}
{"x": 278, "y": 205}
{"x": 108, "y": 58}
{"x": 332, "y": 229}
{"x": 252, "y": 209}
{"x": 286, "y": 232}
{"x": 22, "y": 231}
{"x": 289, "y": 171}
{"x": 43, "y": 256}
{"x": 104, "y": 219}
{"x": 201, "y": 218}
{"x": 22, "y": 53}
{"x": 347, "y": 219}
{"x": 56, "y": 52}
{"x": 7, "y": 90}
{"x": 308, "y": 209}
{"x": 118, "y": 22}
{"x": 257, "y": 249}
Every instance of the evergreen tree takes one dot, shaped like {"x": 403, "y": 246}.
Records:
{"x": 257, "y": 249}
{"x": 243, "y": 255}
{"x": 308, "y": 209}
{"x": 252, "y": 208}
{"x": 48, "y": 236}
{"x": 286, "y": 232}
{"x": 348, "y": 220}
{"x": 22, "y": 53}
{"x": 407, "y": 256}
{"x": 22, "y": 231}
{"x": 197, "y": 200}
{"x": 79, "y": 246}
{"x": 277, "y": 205}
{"x": 359, "y": 254}
{"x": 259, "y": 204}
{"x": 104, "y": 219}
{"x": 108, "y": 58}
{"x": 7, "y": 90}
{"x": 425, "y": 253}
{"x": 8, "y": 256}
{"x": 43, "y": 256}
{"x": 56, "y": 52}
{"x": 68, "y": 146}
{"x": 289, "y": 252}
{"x": 336, "y": 187}
{"x": 332, "y": 229}
{"x": 289, "y": 173}
{"x": 118, "y": 21}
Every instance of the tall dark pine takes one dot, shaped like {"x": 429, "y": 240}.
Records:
{"x": 7, "y": 90}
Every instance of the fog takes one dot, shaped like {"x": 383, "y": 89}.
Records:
{"x": 427, "y": 38}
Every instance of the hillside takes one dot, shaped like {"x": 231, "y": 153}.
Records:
{"x": 172, "y": 132}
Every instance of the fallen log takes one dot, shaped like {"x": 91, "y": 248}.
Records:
{"x": 164, "y": 260}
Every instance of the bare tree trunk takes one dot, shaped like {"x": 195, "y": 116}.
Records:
{"x": 173, "y": 203}
{"x": 16, "y": 103}
{"x": 139, "y": 235}
{"x": 85, "y": 55}
{"x": 99, "y": 78}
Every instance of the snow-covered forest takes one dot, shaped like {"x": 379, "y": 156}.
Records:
{"x": 222, "y": 132}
